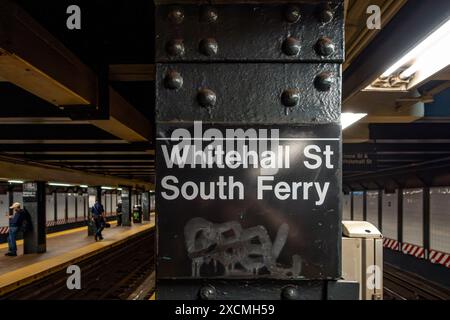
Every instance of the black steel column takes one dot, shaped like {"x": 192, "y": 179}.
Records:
{"x": 380, "y": 210}
{"x": 352, "y": 206}
{"x": 152, "y": 201}
{"x": 365, "y": 205}
{"x": 76, "y": 205}
{"x": 34, "y": 202}
{"x": 99, "y": 195}
{"x": 146, "y": 206}
{"x": 400, "y": 217}
{"x": 10, "y": 197}
{"x": 426, "y": 221}
{"x": 55, "y": 207}
{"x": 238, "y": 85}
{"x": 94, "y": 193}
{"x": 85, "y": 204}
{"x": 66, "y": 208}
{"x": 111, "y": 203}
{"x": 126, "y": 206}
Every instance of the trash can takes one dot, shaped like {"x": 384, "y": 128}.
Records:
{"x": 91, "y": 227}
{"x": 137, "y": 214}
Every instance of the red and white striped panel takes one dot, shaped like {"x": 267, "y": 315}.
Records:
{"x": 55, "y": 223}
{"x": 441, "y": 258}
{"x": 4, "y": 230}
{"x": 50, "y": 223}
{"x": 71, "y": 220}
{"x": 413, "y": 250}
{"x": 391, "y": 244}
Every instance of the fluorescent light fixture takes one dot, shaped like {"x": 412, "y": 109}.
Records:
{"x": 107, "y": 188}
{"x": 349, "y": 118}
{"x": 54, "y": 184}
{"x": 120, "y": 189}
{"x": 84, "y": 186}
{"x": 15, "y": 181}
{"x": 427, "y": 58}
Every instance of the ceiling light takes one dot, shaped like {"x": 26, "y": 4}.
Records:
{"x": 107, "y": 188}
{"x": 349, "y": 118}
{"x": 433, "y": 42}
{"x": 84, "y": 186}
{"x": 15, "y": 181}
{"x": 54, "y": 184}
{"x": 423, "y": 61}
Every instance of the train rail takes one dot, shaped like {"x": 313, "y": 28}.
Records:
{"x": 113, "y": 274}
{"x": 402, "y": 285}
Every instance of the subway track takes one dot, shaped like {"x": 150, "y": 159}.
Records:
{"x": 402, "y": 285}
{"x": 110, "y": 275}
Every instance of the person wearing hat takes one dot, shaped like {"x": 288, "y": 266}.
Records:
{"x": 15, "y": 223}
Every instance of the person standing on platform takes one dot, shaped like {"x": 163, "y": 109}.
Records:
{"x": 15, "y": 223}
{"x": 99, "y": 219}
{"x": 119, "y": 213}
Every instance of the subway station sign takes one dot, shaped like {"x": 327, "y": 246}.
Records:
{"x": 249, "y": 202}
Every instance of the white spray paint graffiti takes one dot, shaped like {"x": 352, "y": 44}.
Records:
{"x": 240, "y": 251}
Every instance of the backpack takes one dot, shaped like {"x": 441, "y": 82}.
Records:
{"x": 26, "y": 225}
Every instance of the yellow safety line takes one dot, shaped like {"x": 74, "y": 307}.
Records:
{"x": 55, "y": 234}
{"x": 23, "y": 276}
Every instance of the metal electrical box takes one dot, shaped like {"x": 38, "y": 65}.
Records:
{"x": 362, "y": 258}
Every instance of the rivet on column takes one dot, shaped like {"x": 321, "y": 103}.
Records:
{"x": 207, "y": 293}
{"x": 325, "y": 14}
{"x": 324, "y": 81}
{"x": 289, "y": 293}
{"x": 325, "y": 47}
{"x": 208, "y": 47}
{"x": 291, "y": 46}
{"x": 173, "y": 80}
{"x": 176, "y": 16}
{"x": 206, "y": 98}
{"x": 209, "y": 15}
{"x": 175, "y": 48}
{"x": 290, "y": 98}
{"x": 292, "y": 14}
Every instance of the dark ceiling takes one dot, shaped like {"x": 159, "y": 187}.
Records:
{"x": 122, "y": 32}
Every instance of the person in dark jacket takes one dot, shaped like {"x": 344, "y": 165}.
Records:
{"x": 15, "y": 223}
{"x": 99, "y": 219}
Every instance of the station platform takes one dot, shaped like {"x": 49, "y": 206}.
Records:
{"x": 63, "y": 249}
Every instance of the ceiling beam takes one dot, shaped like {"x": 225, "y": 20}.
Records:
{"x": 399, "y": 147}
{"x": 30, "y": 171}
{"x": 125, "y": 121}
{"x": 410, "y": 131}
{"x": 63, "y": 147}
{"x": 34, "y": 60}
{"x": 358, "y": 36}
{"x": 132, "y": 72}
{"x": 31, "y": 58}
{"x": 89, "y": 157}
